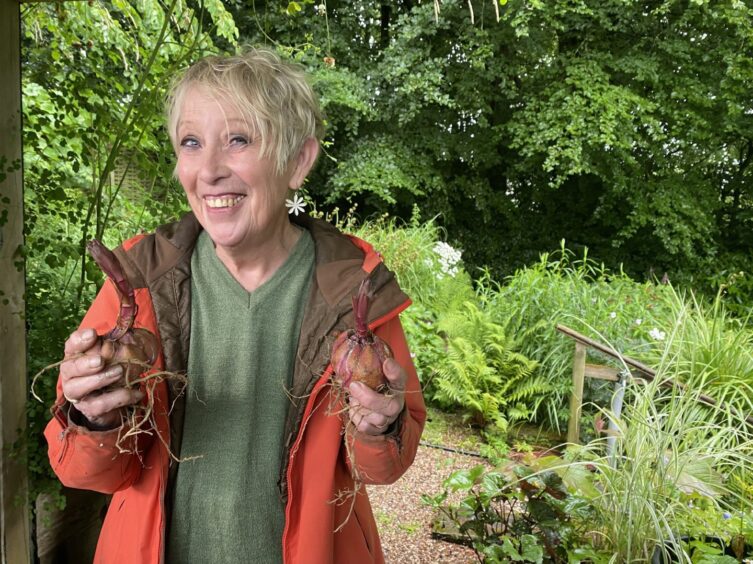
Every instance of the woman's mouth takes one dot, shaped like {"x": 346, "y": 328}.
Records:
{"x": 223, "y": 201}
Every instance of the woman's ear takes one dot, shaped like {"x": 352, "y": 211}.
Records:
{"x": 304, "y": 162}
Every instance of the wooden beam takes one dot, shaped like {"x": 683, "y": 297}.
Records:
{"x": 640, "y": 370}
{"x": 646, "y": 372}
{"x": 14, "y": 510}
{"x": 576, "y": 400}
{"x": 602, "y": 372}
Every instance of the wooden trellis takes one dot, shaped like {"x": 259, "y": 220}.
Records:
{"x": 583, "y": 370}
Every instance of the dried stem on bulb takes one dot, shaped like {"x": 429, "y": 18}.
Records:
{"x": 123, "y": 344}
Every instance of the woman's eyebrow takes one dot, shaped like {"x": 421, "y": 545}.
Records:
{"x": 237, "y": 121}
{"x": 185, "y": 123}
{"x": 232, "y": 122}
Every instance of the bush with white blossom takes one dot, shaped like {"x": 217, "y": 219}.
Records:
{"x": 448, "y": 257}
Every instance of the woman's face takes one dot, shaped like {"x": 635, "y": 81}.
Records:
{"x": 234, "y": 192}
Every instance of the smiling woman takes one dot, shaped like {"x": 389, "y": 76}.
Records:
{"x": 245, "y": 298}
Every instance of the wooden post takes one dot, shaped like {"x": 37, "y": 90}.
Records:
{"x": 579, "y": 371}
{"x": 14, "y": 510}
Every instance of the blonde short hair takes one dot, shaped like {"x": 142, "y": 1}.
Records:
{"x": 273, "y": 95}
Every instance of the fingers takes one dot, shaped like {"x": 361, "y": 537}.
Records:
{"x": 372, "y": 412}
{"x": 103, "y": 409}
{"x": 83, "y": 365}
{"x": 395, "y": 374}
{"x": 389, "y": 404}
{"x": 82, "y": 355}
{"x": 80, "y": 341}
{"x": 76, "y": 388}
{"x": 368, "y": 422}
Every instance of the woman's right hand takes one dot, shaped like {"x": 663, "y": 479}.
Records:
{"x": 84, "y": 379}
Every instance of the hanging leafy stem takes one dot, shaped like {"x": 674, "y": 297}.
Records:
{"x": 127, "y": 125}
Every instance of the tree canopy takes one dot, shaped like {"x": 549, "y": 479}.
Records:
{"x": 619, "y": 125}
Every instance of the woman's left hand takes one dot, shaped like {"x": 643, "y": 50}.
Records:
{"x": 372, "y": 412}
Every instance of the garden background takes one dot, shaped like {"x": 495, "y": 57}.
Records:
{"x": 519, "y": 164}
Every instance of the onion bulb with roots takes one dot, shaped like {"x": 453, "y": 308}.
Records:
{"x": 135, "y": 349}
{"x": 358, "y": 354}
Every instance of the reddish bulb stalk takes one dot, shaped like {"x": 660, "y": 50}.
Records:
{"x": 131, "y": 347}
{"x": 358, "y": 354}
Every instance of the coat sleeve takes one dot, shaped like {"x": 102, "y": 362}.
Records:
{"x": 383, "y": 459}
{"x": 95, "y": 460}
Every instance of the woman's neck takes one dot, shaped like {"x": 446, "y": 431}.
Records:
{"x": 252, "y": 267}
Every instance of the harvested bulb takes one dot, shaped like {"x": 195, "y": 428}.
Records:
{"x": 358, "y": 354}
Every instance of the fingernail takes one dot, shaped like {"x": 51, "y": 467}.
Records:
{"x": 112, "y": 372}
{"x": 95, "y": 361}
{"x": 138, "y": 395}
{"x": 88, "y": 334}
{"x": 355, "y": 386}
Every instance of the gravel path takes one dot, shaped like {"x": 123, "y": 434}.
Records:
{"x": 404, "y": 522}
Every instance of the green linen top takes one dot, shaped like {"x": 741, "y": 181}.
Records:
{"x": 227, "y": 504}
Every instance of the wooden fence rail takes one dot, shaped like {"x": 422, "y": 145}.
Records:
{"x": 635, "y": 369}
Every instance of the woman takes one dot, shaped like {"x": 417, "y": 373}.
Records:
{"x": 246, "y": 300}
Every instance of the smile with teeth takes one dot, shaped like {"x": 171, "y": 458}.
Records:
{"x": 223, "y": 201}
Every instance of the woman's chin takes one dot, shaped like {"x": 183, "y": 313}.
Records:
{"x": 223, "y": 234}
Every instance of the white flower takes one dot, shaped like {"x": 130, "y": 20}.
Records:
{"x": 638, "y": 321}
{"x": 657, "y": 335}
{"x": 613, "y": 314}
{"x": 296, "y": 204}
{"x": 448, "y": 258}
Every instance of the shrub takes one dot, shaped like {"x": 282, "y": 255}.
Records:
{"x": 607, "y": 306}
{"x": 513, "y": 514}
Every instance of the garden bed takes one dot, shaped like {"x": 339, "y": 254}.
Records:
{"x": 404, "y": 522}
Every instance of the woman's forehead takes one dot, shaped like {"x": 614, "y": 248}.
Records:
{"x": 200, "y": 105}
{"x": 202, "y": 99}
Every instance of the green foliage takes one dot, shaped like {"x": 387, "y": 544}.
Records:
{"x": 465, "y": 359}
{"x": 510, "y": 515}
{"x": 666, "y": 490}
{"x": 419, "y": 324}
{"x": 97, "y": 162}
{"x": 671, "y": 473}
{"x": 621, "y": 126}
{"x": 586, "y": 296}
{"x": 407, "y": 248}
{"x": 483, "y": 373}
{"x": 731, "y": 276}
{"x": 383, "y": 169}
{"x": 711, "y": 351}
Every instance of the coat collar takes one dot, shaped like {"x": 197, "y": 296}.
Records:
{"x": 339, "y": 263}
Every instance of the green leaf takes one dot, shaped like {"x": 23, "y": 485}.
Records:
{"x": 531, "y": 551}
{"x": 293, "y": 8}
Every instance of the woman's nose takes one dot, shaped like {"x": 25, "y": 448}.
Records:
{"x": 213, "y": 167}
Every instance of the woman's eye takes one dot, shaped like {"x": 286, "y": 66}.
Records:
{"x": 238, "y": 140}
{"x": 189, "y": 142}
